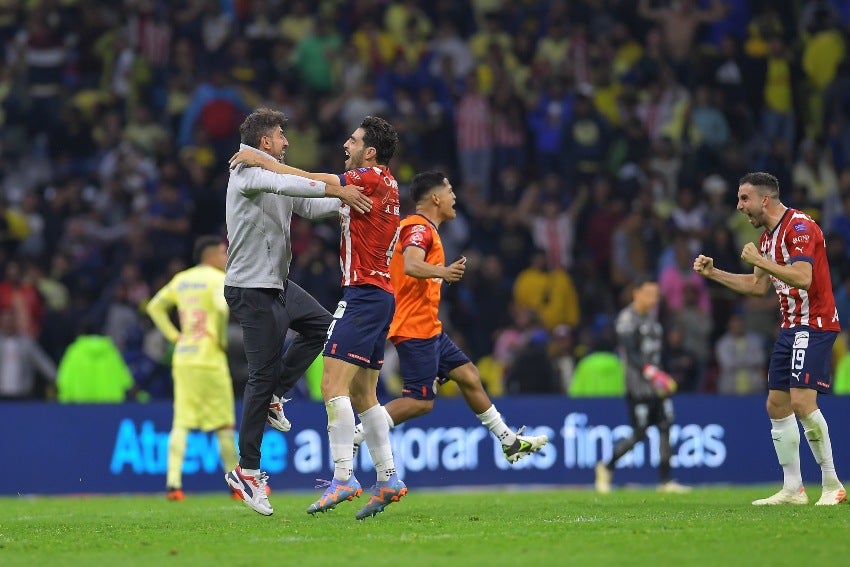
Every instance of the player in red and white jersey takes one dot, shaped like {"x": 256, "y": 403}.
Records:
{"x": 798, "y": 238}
{"x": 354, "y": 349}
{"x": 367, "y": 240}
{"x": 792, "y": 256}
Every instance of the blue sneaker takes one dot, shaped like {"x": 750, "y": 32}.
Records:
{"x": 383, "y": 494}
{"x": 337, "y": 491}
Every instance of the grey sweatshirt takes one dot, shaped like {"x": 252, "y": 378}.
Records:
{"x": 258, "y": 211}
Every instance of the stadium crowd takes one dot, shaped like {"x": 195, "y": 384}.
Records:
{"x": 589, "y": 142}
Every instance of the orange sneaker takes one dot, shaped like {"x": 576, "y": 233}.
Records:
{"x": 175, "y": 495}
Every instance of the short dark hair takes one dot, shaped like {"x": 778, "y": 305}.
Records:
{"x": 766, "y": 183}
{"x": 641, "y": 280}
{"x": 424, "y": 183}
{"x": 202, "y": 243}
{"x": 258, "y": 123}
{"x": 379, "y": 134}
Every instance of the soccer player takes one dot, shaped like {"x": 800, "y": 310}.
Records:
{"x": 258, "y": 211}
{"x": 354, "y": 349}
{"x": 427, "y": 355}
{"x": 203, "y": 389}
{"x": 640, "y": 336}
{"x": 791, "y": 255}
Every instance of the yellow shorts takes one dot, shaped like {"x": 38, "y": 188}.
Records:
{"x": 203, "y": 398}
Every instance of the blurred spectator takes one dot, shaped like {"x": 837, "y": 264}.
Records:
{"x": 20, "y": 296}
{"x": 694, "y": 326}
{"x": 473, "y": 123}
{"x": 314, "y": 56}
{"x": 21, "y": 360}
{"x": 814, "y": 172}
{"x": 675, "y": 279}
{"x": 585, "y": 140}
{"x": 548, "y": 291}
{"x": 532, "y": 371}
{"x": 681, "y": 363}
{"x": 562, "y": 356}
{"x": 742, "y": 359}
{"x": 553, "y": 227}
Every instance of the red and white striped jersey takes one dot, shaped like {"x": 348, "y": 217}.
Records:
{"x": 798, "y": 238}
{"x": 368, "y": 240}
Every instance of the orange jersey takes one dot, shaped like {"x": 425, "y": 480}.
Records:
{"x": 416, "y": 300}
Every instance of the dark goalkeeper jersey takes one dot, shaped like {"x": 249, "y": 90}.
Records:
{"x": 639, "y": 338}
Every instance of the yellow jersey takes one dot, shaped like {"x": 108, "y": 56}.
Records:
{"x": 198, "y": 295}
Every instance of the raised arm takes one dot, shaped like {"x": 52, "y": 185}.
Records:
{"x": 415, "y": 266}
{"x": 797, "y": 274}
{"x": 254, "y": 158}
{"x": 349, "y": 194}
{"x": 756, "y": 283}
{"x": 315, "y": 209}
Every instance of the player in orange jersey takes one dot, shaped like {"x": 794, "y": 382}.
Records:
{"x": 427, "y": 356}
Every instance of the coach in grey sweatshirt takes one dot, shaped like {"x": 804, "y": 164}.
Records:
{"x": 259, "y": 209}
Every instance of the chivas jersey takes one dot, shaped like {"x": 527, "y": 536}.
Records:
{"x": 797, "y": 238}
{"x": 368, "y": 240}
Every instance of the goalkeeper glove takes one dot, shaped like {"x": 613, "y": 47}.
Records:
{"x": 663, "y": 383}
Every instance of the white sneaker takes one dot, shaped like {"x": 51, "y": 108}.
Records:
{"x": 673, "y": 487}
{"x": 524, "y": 445}
{"x": 832, "y": 497}
{"x": 276, "y": 418}
{"x": 603, "y": 478}
{"x": 252, "y": 489}
{"x": 784, "y": 497}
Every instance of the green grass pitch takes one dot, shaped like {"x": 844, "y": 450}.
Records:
{"x": 569, "y": 526}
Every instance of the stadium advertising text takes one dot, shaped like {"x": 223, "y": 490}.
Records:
{"x": 124, "y": 447}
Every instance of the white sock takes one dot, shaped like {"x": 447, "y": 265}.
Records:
{"x": 786, "y": 441}
{"x": 817, "y": 434}
{"x": 494, "y": 422}
{"x": 341, "y": 436}
{"x": 250, "y": 472}
{"x": 359, "y": 436}
{"x": 377, "y": 433}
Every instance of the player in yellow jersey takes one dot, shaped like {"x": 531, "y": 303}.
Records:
{"x": 203, "y": 389}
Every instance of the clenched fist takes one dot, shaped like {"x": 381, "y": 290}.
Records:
{"x": 703, "y": 265}
{"x": 750, "y": 254}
